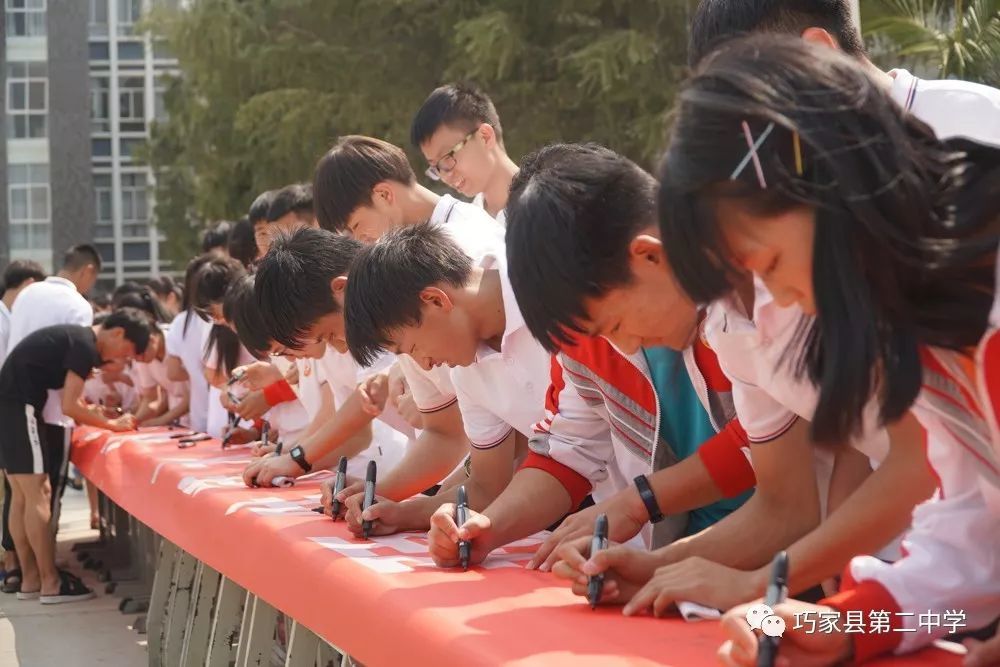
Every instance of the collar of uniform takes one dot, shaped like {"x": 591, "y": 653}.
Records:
{"x": 442, "y": 210}
{"x": 513, "y": 321}
{"x": 61, "y": 281}
{"x": 904, "y": 86}
{"x": 3, "y": 309}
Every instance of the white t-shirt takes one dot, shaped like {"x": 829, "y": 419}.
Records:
{"x": 4, "y": 331}
{"x": 44, "y": 304}
{"x": 311, "y": 385}
{"x": 154, "y": 374}
{"x": 951, "y": 107}
{"x": 290, "y": 418}
{"x": 478, "y": 235}
{"x": 217, "y": 417}
{"x": 480, "y": 201}
{"x": 505, "y": 390}
{"x": 189, "y": 347}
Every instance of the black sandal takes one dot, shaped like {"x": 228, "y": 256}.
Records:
{"x": 71, "y": 589}
{"x": 12, "y": 581}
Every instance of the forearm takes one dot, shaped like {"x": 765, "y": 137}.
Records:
{"x": 348, "y": 420}
{"x": 352, "y": 446}
{"x": 427, "y": 460}
{"x": 749, "y": 537}
{"x": 85, "y": 415}
{"x": 148, "y": 409}
{"x": 864, "y": 523}
{"x": 532, "y": 502}
{"x": 172, "y": 414}
{"x": 682, "y": 487}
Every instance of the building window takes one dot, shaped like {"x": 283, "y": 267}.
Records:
{"x": 27, "y": 100}
{"x": 98, "y": 26}
{"x": 135, "y": 211}
{"x": 100, "y": 112}
{"x": 136, "y": 252}
{"x": 25, "y": 18}
{"x": 28, "y": 206}
{"x": 106, "y": 251}
{"x": 102, "y": 199}
{"x": 99, "y": 51}
{"x": 132, "y": 103}
{"x": 129, "y": 12}
{"x": 131, "y": 51}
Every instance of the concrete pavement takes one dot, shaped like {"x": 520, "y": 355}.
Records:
{"x": 79, "y": 634}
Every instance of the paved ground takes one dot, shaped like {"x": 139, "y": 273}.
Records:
{"x": 81, "y": 634}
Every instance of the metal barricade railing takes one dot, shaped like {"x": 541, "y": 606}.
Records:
{"x": 192, "y": 614}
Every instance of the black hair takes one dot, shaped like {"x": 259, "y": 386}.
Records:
{"x": 224, "y": 344}
{"x": 383, "y": 293}
{"x": 243, "y": 243}
{"x": 163, "y": 286}
{"x": 572, "y": 213}
{"x": 140, "y": 297}
{"x": 213, "y": 281}
{"x": 460, "y": 105}
{"x": 296, "y": 198}
{"x": 18, "y": 272}
{"x": 101, "y": 300}
{"x": 240, "y": 310}
{"x": 905, "y": 226}
{"x": 260, "y": 206}
{"x": 136, "y": 324}
{"x": 293, "y": 281}
{"x": 79, "y": 256}
{"x": 716, "y": 21}
{"x": 346, "y": 175}
{"x": 217, "y": 237}
{"x": 190, "y": 285}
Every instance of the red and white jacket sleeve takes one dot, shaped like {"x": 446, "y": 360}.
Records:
{"x": 573, "y": 442}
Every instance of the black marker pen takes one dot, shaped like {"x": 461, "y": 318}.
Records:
{"x": 366, "y": 526}
{"x": 338, "y": 486}
{"x": 777, "y": 590}
{"x": 461, "y": 516}
{"x": 598, "y": 543}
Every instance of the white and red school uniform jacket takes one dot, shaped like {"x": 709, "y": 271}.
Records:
{"x": 951, "y": 557}
{"x": 602, "y": 418}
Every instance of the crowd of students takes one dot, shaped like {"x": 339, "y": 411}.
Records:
{"x": 782, "y": 341}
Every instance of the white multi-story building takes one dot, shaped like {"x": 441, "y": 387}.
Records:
{"x": 82, "y": 86}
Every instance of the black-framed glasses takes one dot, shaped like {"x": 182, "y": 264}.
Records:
{"x": 447, "y": 161}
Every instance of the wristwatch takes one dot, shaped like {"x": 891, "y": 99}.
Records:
{"x": 648, "y": 499}
{"x": 299, "y": 457}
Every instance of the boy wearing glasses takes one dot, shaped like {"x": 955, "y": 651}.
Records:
{"x": 458, "y": 131}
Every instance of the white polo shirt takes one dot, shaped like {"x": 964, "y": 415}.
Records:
{"x": 311, "y": 385}
{"x": 951, "y": 107}
{"x": 505, "y": 390}
{"x": 189, "y": 347}
{"x": 43, "y": 304}
{"x": 154, "y": 374}
{"x": 4, "y": 331}
{"x": 480, "y": 201}
{"x": 478, "y": 235}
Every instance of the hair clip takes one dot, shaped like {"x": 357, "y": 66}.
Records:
{"x": 797, "y": 147}
{"x": 752, "y": 154}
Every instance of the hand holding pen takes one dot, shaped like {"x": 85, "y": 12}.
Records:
{"x": 777, "y": 591}
{"x": 598, "y": 542}
{"x": 461, "y": 516}
{"x": 366, "y": 526}
{"x": 338, "y": 486}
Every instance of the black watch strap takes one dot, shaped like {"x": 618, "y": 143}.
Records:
{"x": 648, "y": 499}
{"x": 299, "y": 457}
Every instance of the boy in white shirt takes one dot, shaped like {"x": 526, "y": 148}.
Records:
{"x": 162, "y": 401}
{"x": 458, "y": 131}
{"x": 416, "y": 293}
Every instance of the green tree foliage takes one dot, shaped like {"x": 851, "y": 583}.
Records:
{"x": 268, "y": 85}
{"x": 951, "y": 38}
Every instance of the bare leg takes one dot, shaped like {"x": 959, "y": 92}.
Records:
{"x": 30, "y": 578}
{"x": 37, "y": 493}
{"x": 92, "y": 499}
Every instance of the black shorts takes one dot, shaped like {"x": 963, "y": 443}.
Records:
{"x": 24, "y": 440}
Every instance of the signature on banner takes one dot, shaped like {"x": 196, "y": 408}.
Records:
{"x": 411, "y": 552}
